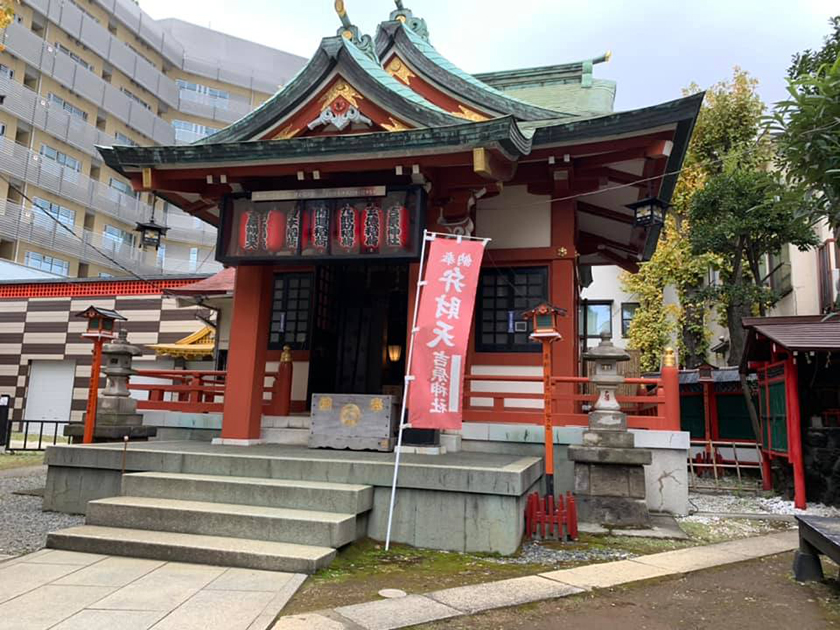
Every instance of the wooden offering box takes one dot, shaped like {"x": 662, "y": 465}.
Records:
{"x": 354, "y": 421}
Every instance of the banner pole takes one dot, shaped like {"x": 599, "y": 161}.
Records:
{"x": 427, "y": 237}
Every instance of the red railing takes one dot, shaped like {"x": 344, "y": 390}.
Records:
{"x": 656, "y": 406}
{"x": 651, "y": 408}
{"x": 189, "y": 391}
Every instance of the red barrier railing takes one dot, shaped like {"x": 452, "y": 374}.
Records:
{"x": 651, "y": 408}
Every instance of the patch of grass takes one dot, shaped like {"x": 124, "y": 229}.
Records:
{"x": 631, "y": 544}
{"x": 730, "y": 529}
{"x": 21, "y": 460}
{"x": 361, "y": 570}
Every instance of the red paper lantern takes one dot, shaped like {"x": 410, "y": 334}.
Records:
{"x": 275, "y": 230}
{"x": 317, "y": 229}
{"x": 293, "y": 230}
{"x": 250, "y": 228}
{"x": 396, "y": 227}
{"x": 347, "y": 228}
{"x": 371, "y": 228}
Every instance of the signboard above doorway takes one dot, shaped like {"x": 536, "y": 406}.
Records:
{"x": 324, "y": 224}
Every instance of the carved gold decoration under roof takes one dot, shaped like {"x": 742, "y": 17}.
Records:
{"x": 394, "y": 125}
{"x": 469, "y": 114}
{"x": 344, "y": 89}
{"x": 397, "y": 69}
{"x": 287, "y": 133}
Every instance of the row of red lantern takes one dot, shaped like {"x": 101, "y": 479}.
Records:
{"x": 367, "y": 230}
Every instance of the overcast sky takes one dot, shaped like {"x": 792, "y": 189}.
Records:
{"x": 658, "y": 46}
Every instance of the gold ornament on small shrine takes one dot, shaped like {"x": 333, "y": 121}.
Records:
{"x": 350, "y": 415}
{"x": 376, "y": 404}
{"x": 325, "y": 404}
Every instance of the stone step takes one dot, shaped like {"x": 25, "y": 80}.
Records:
{"x": 303, "y": 527}
{"x": 292, "y": 437}
{"x": 286, "y": 422}
{"x": 300, "y": 495}
{"x": 175, "y": 547}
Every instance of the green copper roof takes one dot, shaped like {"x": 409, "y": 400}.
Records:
{"x": 376, "y": 71}
{"x": 570, "y": 97}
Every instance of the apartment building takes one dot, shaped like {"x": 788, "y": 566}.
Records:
{"x": 82, "y": 73}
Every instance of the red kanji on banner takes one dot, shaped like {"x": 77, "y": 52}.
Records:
{"x": 444, "y": 319}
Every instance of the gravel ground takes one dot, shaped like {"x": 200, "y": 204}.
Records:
{"x": 535, "y": 553}
{"x": 23, "y": 526}
{"x": 728, "y": 503}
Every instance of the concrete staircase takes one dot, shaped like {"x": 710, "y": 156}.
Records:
{"x": 258, "y": 523}
{"x": 285, "y": 430}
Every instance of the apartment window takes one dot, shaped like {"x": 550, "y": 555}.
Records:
{"x": 193, "y": 258}
{"x": 780, "y": 271}
{"x": 67, "y": 107}
{"x": 2, "y": 129}
{"x": 161, "y": 255}
{"x": 73, "y": 56}
{"x": 6, "y": 72}
{"x": 290, "y": 311}
{"x": 102, "y": 274}
{"x": 116, "y": 238}
{"x": 503, "y": 295}
{"x": 122, "y": 187}
{"x": 190, "y": 132}
{"x": 71, "y": 165}
{"x": 135, "y": 98}
{"x": 628, "y": 312}
{"x": 199, "y": 92}
{"x": 123, "y": 139}
{"x": 826, "y": 278}
{"x": 47, "y": 263}
{"x": 47, "y": 212}
{"x": 595, "y": 318}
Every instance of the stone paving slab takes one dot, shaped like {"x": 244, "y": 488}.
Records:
{"x": 513, "y": 592}
{"x": 388, "y": 614}
{"x": 115, "y": 572}
{"x": 309, "y": 621}
{"x": 231, "y": 610}
{"x": 48, "y": 605}
{"x": 17, "y": 579}
{"x": 596, "y": 576}
{"x": 111, "y": 620}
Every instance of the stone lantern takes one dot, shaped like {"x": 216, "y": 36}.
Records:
{"x": 116, "y": 414}
{"x": 609, "y": 471}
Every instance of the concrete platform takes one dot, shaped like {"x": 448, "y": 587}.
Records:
{"x": 457, "y": 501}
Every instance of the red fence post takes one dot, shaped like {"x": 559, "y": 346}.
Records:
{"x": 795, "y": 433}
{"x": 671, "y": 385}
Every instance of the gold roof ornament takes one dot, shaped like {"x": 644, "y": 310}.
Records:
{"x": 670, "y": 359}
{"x": 397, "y": 69}
{"x": 394, "y": 125}
{"x": 351, "y": 33}
{"x": 406, "y": 17}
{"x": 343, "y": 89}
{"x": 469, "y": 114}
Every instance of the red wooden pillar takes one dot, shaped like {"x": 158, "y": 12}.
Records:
{"x": 671, "y": 387}
{"x": 794, "y": 423}
{"x": 563, "y": 293}
{"x": 93, "y": 392}
{"x": 247, "y": 353}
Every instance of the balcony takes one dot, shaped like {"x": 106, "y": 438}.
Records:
{"x": 26, "y": 165}
{"x": 26, "y": 45}
{"x": 34, "y": 109}
{"x": 224, "y": 110}
{"x": 21, "y": 223}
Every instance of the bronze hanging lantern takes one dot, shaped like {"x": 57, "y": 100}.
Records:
{"x": 648, "y": 212}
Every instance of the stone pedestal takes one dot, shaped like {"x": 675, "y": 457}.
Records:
{"x": 609, "y": 470}
{"x": 610, "y": 480}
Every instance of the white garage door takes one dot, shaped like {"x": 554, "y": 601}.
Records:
{"x": 50, "y": 392}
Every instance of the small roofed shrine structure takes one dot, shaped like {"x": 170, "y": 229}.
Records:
{"x": 321, "y": 196}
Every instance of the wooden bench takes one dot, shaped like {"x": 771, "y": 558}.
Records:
{"x": 817, "y": 535}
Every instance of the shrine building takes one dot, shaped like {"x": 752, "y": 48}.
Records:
{"x": 321, "y": 196}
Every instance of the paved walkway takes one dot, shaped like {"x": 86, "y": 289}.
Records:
{"x": 390, "y": 614}
{"x": 63, "y": 590}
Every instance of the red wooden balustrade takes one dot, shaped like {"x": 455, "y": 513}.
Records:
{"x": 189, "y": 391}
{"x": 652, "y": 408}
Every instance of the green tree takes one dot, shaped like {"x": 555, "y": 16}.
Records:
{"x": 808, "y": 62}
{"x": 742, "y": 214}
{"x": 729, "y": 122}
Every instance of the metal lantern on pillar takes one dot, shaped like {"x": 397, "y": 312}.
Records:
{"x": 151, "y": 233}
{"x": 545, "y": 320}
{"x": 648, "y": 212}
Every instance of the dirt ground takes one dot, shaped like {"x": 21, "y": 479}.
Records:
{"x": 758, "y": 595}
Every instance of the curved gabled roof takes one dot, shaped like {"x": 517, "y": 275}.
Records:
{"x": 415, "y": 50}
{"x": 335, "y": 56}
